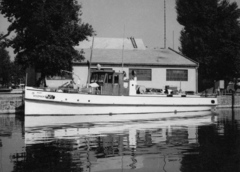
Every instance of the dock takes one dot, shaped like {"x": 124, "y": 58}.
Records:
{"x": 12, "y": 102}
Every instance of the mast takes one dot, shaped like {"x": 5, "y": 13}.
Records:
{"x": 90, "y": 63}
{"x": 164, "y": 24}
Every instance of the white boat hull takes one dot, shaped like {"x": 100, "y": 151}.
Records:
{"x": 39, "y": 102}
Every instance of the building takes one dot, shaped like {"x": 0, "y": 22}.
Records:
{"x": 155, "y": 68}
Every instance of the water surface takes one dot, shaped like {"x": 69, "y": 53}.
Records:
{"x": 209, "y": 142}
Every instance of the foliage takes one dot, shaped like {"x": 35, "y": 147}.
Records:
{"x": 5, "y": 67}
{"x": 46, "y": 32}
{"x": 17, "y": 73}
{"x": 211, "y": 36}
{"x": 10, "y": 72}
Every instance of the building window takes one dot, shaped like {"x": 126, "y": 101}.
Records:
{"x": 142, "y": 74}
{"x": 177, "y": 75}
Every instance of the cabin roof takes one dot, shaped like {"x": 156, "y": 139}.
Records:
{"x": 155, "y": 57}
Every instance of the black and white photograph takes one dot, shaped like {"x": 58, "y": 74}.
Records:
{"x": 119, "y": 85}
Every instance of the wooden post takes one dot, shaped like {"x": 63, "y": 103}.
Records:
{"x": 233, "y": 100}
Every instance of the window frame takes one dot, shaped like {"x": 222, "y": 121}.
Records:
{"x": 178, "y": 77}
{"x": 141, "y": 77}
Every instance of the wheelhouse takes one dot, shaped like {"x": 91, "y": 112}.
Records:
{"x": 110, "y": 82}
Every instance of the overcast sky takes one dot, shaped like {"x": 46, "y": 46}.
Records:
{"x": 124, "y": 18}
{"x": 138, "y": 18}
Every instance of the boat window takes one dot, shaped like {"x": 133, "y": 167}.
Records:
{"x": 94, "y": 77}
{"x": 116, "y": 78}
{"x": 109, "y": 78}
{"x": 101, "y": 77}
{"x": 97, "y": 77}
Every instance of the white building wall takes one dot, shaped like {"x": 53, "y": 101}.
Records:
{"x": 159, "y": 80}
{"x": 158, "y": 77}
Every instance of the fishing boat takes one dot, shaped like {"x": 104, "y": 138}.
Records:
{"x": 108, "y": 93}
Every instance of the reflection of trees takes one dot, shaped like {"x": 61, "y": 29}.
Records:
{"x": 53, "y": 156}
{"x": 218, "y": 149}
{"x": 68, "y": 155}
{"x": 11, "y": 127}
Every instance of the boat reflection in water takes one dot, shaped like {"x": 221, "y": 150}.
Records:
{"x": 200, "y": 143}
{"x": 32, "y": 121}
{"x": 96, "y": 144}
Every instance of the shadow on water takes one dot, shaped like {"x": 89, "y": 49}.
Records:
{"x": 198, "y": 143}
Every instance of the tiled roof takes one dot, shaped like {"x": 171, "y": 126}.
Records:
{"x": 157, "y": 57}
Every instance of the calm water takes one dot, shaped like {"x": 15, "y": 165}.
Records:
{"x": 209, "y": 143}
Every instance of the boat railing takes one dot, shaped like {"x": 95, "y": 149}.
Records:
{"x": 61, "y": 90}
{"x": 84, "y": 90}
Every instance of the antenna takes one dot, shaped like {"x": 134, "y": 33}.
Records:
{"x": 164, "y": 24}
{"x": 173, "y": 39}
{"x": 123, "y": 45}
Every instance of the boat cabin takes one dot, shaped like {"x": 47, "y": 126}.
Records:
{"x": 109, "y": 82}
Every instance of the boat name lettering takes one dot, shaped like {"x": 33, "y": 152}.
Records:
{"x": 40, "y": 96}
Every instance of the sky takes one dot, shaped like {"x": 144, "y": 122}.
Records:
{"x": 142, "y": 19}
{"x": 137, "y": 18}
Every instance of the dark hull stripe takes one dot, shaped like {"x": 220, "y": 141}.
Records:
{"x": 119, "y": 113}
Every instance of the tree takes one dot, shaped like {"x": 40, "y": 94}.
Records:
{"x": 17, "y": 73}
{"x": 211, "y": 36}
{"x": 5, "y": 67}
{"x": 46, "y": 33}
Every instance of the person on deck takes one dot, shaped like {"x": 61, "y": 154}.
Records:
{"x": 134, "y": 75}
{"x": 124, "y": 76}
{"x": 98, "y": 67}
